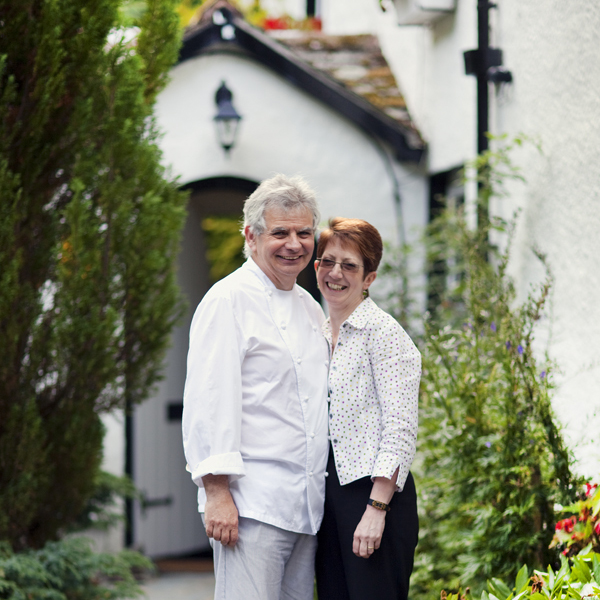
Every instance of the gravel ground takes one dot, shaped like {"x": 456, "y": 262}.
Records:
{"x": 180, "y": 586}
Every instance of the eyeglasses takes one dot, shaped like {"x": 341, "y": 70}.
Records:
{"x": 328, "y": 264}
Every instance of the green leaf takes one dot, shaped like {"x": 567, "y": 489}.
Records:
{"x": 522, "y": 579}
{"x": 596, "y": 568}
{"x": 580, "y": 572}
{"x": 499, "y": 588}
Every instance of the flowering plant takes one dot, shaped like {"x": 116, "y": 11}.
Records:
{"x": 577, "y": 581}
{"x": 582, "y": 529}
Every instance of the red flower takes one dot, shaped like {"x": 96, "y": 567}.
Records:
{"x": 566, "y": 524}
{"x": 597, "y": 528}
{"x": 589, "y": 489}
{"x": 275, "y": 23}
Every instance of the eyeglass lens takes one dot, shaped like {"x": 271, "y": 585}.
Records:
{"x": 346, "y": 266}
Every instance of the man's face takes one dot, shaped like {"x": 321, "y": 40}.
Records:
{"x": 286, "y": 245}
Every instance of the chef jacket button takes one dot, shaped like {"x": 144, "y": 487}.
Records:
{"x": 314, "y": 328}
{"x": 312, "y": 435}
{"x": 326, "y": 474}
{"x": 310, "y": 474}
{"x": 300, "y": 295}
{"x": 299, "y": 361}
{"x": 283, "y": 326}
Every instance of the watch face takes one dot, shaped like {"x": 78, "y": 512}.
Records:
{"x": 379, "y": 505}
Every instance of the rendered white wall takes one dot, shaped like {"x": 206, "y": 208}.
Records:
{"x": 552, "y": 49}
{"x": 283, "y": 130}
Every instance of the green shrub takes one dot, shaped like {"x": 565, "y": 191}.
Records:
{"x": 105, "y": 506}
{"x": 576, "y": 579}
{"x": 69, "y": 570}
{"x": 89, "y": 234}
{"x": 491, "y": 463}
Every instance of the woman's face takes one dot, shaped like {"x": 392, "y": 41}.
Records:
{"x": 342, "y": 289}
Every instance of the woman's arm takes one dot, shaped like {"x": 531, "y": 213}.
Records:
{"x": 367, "y": 536}
{"x": 396, "y": 368}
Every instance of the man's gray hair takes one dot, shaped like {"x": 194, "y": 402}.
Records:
{"x": 279, "y": 191}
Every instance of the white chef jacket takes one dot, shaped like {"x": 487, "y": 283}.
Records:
{"x": 373, "y": 392}
{"x": 255, "y": 399}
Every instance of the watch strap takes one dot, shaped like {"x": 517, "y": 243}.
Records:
{"x": 378, "y": 505}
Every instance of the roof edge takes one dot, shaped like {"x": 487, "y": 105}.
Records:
{"x": 284, "y": 62}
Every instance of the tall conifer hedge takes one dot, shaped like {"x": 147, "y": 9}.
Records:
{"x": 89, "y": 230}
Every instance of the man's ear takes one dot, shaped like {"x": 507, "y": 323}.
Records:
{"x": 250, "y": 238}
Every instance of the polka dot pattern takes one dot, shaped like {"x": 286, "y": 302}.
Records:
{"x": 373, "y": 392}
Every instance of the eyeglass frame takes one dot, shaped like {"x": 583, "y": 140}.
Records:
{"x": 343, "y": 265}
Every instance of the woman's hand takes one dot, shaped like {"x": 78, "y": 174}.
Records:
{"x": 367, "y": 535}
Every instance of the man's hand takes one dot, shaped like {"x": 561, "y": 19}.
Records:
{"x": 220, "y": 513}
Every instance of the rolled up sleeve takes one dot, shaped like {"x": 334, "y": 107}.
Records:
{"x": 212, "y": 398}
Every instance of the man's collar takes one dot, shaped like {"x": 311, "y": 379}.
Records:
{"x": 251, "y": 265}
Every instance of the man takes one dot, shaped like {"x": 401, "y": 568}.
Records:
{"x": 255, "y": 405}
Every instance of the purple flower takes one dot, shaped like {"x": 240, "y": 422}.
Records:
{"x": 542, "y": 374}
{"x": 488, "y": 444}
{"x": 493, "y": 327}
{"x": 520, "y": 349}
{"x": 508, "y": 345}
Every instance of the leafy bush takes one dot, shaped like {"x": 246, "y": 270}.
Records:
{"x": 104, "y": 508}
{"x": 491, "y": 463}
{"x": 89, "y": 234}
{"x": 575, "y": 580}
{"x": 69, "y": 570}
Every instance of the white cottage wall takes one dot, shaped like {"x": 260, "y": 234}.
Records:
{"x": 283, "y": 130}
{"x": 552, "y": 50}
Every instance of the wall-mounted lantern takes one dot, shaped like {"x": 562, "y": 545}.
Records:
{"x": 227, "y": 118}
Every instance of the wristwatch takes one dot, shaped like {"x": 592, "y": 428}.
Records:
{"x": 378, "y": 505}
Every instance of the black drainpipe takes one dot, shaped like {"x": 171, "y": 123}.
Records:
{"x": 129, "y": 471}
{"x": 485, "y": 64}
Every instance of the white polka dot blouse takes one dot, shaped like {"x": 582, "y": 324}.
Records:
{"x": 373, "y": 392}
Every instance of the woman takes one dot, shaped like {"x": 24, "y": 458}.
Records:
{"x": 370, "y": 528}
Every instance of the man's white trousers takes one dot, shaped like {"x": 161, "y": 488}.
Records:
{"x": 267, "y": 563}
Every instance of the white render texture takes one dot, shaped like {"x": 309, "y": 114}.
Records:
{"x": 552, "y": 50}
{"x": 283, "y": 130}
